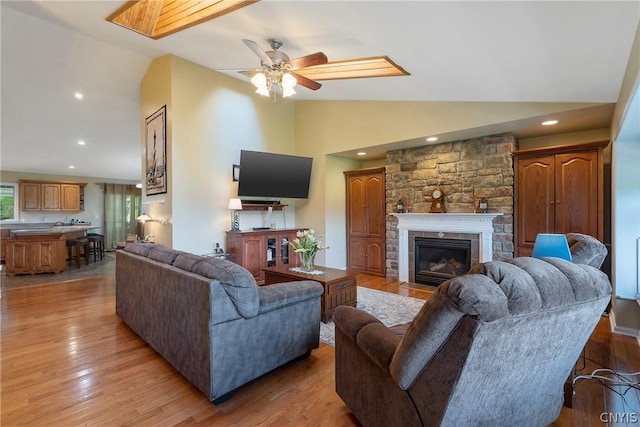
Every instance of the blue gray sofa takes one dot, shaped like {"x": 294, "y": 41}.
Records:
{"x": 491, "y": 348}
{"x": 209, "y": 319}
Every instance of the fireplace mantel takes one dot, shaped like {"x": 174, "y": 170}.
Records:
{"x": 481, "y": 224}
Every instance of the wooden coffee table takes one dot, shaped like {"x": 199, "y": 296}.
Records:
{"x": 339, "y": 285}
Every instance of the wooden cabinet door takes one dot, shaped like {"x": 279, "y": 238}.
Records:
{"x": 357, "y": 256}
{"x": 18, "y": 257}
{"x": 376, "y": 257}
{"x": 356, "y": 205}
{"x": 254, "y": 255}
{"x": 535, "y": 200}
{"x": 375, "y": 206}
{"x": 70, "y": 197}
{"x": 29, "y": 196}
{"x": 287, "y": 255}
{"x": 576, "y": 193}
{"x": 50, "y": 197}
{"x": 366, "y": 220}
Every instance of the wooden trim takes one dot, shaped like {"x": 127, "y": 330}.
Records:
{"x": 261, "y": 207}
{"x": 33, "y": 181}
{"x": 562, "y": 149}
{"x": 365, "y": 171}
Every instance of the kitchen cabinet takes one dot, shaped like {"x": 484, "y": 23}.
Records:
{"x": 30, "y": 196}
{"x": 35, "y": 257}
{"x": 43, "y": 196}
{"x": 255, "y": 250}
{"x": 366, "y": 227}
{"x": 37, "y": 250}
{"x": 50, "y": 197}
{"x": 4, "y": 237}
{"x": 558, "y": 190}
{"x": 70, "y": 197}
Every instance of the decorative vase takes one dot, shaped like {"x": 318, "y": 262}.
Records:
{"x": 306, "y": 261}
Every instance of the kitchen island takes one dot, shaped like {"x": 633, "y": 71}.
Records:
{"x": 40, "y": 249}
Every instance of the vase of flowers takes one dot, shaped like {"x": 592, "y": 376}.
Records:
{"x": 306, "y": 245}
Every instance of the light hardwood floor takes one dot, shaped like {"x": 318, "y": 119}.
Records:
{"x": 66, "y": 359}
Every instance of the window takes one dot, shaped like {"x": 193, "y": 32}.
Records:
{"x": 8, "y": 202}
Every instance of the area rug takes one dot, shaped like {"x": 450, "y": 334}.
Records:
{"x": 390, "y": 309}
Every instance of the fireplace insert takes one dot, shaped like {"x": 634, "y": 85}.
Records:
{"x": 438, "y": 260}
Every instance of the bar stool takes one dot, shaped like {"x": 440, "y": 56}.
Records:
{"x": 96, "y": 245}
{"x": 78, "y": 244}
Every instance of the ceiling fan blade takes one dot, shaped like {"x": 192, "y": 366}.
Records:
{"x": 249, "y": 73}
{"x": 356, "y": 68}
{"x": 317, "y": 58}
{"x": 255, "y": 47}
{"x": 308, "y": 83}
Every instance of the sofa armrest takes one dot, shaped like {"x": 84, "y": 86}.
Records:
{"x": 272, "y": 297}
{"x": 379, "y": 343}
{"x": 375, "y": 339}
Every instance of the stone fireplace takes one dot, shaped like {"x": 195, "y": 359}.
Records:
{"x": 464, "y": 171}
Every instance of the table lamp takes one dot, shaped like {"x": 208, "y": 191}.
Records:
{"x": 141, "y": 220}
{"x": 551, "y": 245}
{"x": 235, "y": 205}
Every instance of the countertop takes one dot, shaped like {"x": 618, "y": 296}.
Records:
{"x": 52, "y": 230}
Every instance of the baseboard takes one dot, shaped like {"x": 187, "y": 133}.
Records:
{"x": 621, "y": 329}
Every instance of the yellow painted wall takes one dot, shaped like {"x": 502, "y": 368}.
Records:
{"x": 155, "y": 91}
{"x": 211, "y": 117}
{"x": 348, "y": 125}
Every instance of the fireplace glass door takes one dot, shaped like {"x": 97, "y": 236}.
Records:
{"x": 438, "y": 260}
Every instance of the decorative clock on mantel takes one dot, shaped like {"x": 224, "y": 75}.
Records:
{"x": 437, "y": 205}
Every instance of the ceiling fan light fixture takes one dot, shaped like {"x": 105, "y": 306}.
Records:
{"x": 287, "y": 91}
{"x": 259, "y": 80}
{"x": 288, "y": 81}
{"x": 263, "y": 91}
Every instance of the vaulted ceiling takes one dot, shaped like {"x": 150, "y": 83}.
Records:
{"x": 456, "y": 51}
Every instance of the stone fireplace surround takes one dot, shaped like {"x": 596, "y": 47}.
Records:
{"x": 464, "y": 170}
{"x": 475, "y": 227}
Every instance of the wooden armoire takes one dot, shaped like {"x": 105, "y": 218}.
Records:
{"x": 366, "y": 235}
{"x": 558, "y": 190}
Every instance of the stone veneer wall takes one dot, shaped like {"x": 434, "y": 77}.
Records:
{"x": 480, "y": 167}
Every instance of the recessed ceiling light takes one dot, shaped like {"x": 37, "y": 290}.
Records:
{"x": 81, "y": 142}
{"x": 139, "y": 185}
{"x": 71, "y": 167}
{"x": 549, "y": 123}
{"x": 432, "y": 139}
{"x": 78, "y": 95}
{"x": 361, "y": 153}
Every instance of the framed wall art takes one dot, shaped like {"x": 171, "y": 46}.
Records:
{"x": 156, "y": 152}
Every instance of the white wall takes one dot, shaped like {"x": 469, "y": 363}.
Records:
{"x": 626, "y": 184}
{"x": 625, "y": 133}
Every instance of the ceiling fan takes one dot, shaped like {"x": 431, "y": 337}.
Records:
{"x": 281, "y": 73}
{"x": 278, "y": 71}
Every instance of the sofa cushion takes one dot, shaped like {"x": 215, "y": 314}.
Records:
{"x": 186, "y": 261}
{"x": 521, "y": 291}
{"x": 238, "y": 283}
{"x": 163, "y": 254}
{"x": 141, "y": 248}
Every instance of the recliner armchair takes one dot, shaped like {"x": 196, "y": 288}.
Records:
{"x": 586, "y": 249}
{"x": 493, "y": 347}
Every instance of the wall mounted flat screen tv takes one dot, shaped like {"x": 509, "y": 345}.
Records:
{"x": 274, "y": 175}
